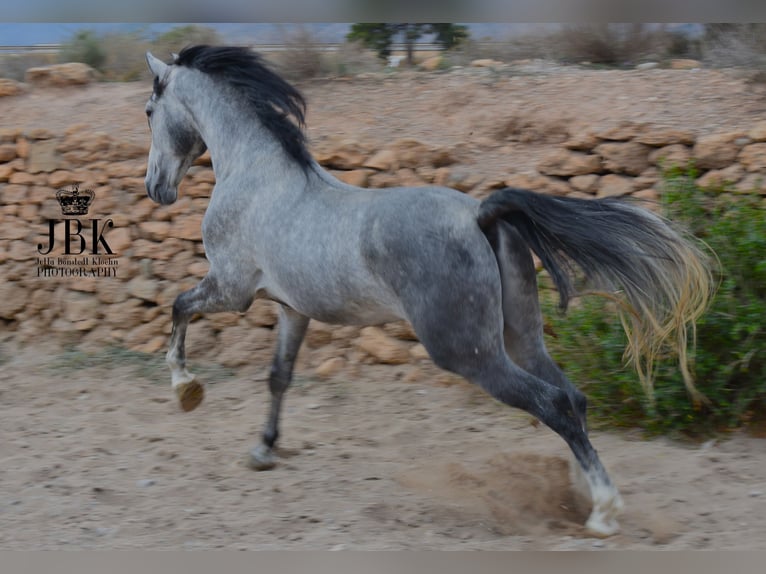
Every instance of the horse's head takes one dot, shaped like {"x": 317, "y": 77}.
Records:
{"x": 176, "y": 141}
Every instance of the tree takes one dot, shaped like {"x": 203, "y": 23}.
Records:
{"x": 449, "y": 35}
{"x": 380, "y": 36}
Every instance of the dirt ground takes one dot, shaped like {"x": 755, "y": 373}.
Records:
{"x": 96, "y": 454}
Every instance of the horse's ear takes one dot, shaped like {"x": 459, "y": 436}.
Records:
{"x": 157, "y": 66}
{"x": 175, "y": 57}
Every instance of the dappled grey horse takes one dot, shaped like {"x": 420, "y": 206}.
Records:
{"x": 459, "y": 270}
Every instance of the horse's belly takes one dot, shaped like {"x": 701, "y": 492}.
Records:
{"x": 355, "y": 316}
{"x": 351, "y": 311}
{"x": 341, "y": 306}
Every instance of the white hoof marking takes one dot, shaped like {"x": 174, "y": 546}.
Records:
{"x": 262, "y": 458}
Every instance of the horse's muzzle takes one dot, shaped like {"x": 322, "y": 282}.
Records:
{"x": 159, "y": 193}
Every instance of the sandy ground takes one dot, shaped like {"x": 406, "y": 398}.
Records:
{"x": 96, "y": 454}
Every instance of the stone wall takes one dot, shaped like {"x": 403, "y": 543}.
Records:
{"x": 159, "y": 253}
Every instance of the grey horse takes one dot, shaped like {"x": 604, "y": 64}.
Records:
{"x": 459, "y": 270}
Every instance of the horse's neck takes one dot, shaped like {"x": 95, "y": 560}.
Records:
{"x": 243, "y": 152}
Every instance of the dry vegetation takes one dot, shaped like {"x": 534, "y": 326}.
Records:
{"x": 120, "y": 57}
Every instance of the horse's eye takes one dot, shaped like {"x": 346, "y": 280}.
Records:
{"x": 148, "y": 113}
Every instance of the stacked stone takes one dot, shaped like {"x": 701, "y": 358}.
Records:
{"x": 629, "y": 159}
{"x": 160, "y": 253}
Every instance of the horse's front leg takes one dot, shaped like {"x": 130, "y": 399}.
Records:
{"x": 292, "y": 329}
{"x": 206, "y": 297}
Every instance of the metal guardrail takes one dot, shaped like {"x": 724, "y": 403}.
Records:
{"x": 334, "y": 46}
{"x": 37, "y": 48}
{"x": 322, "y": 47}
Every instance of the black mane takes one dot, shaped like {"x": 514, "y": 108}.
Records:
{"x": 272, "y": 98}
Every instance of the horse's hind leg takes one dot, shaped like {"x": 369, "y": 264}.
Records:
{"x": 553, "y": 406}
{"x": 524, "y": 344}
{"x": 205, "y": 297}
{"x": 527, "y": 349}
{"x": 292, "y": 329}
{"x": 522, "y": 321}
{"x": 530, "y": 353}
{"x": 481, "y": 358}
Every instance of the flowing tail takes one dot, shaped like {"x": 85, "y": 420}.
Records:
{"x": 664, "y": 279}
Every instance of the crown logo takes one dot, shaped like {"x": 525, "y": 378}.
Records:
{"x": 73, "y": 201}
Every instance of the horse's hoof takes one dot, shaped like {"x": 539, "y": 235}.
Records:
{"x": 600, "y": 528}
{"x": 190, "y": 395}
{"x": 262, "y": 458}
{"x": 602, "y": 521}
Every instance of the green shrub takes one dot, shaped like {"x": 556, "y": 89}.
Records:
{"x": 173, "y": 41}
{"x": 730, "y": 357}
{"x": 86, "y": 47}
{"x": 121, "y": 56}
{"x": 125, "y": 57}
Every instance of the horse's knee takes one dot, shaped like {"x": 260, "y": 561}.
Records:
{"x": 183, "y": 303}
{"x": 179, "y": 308}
